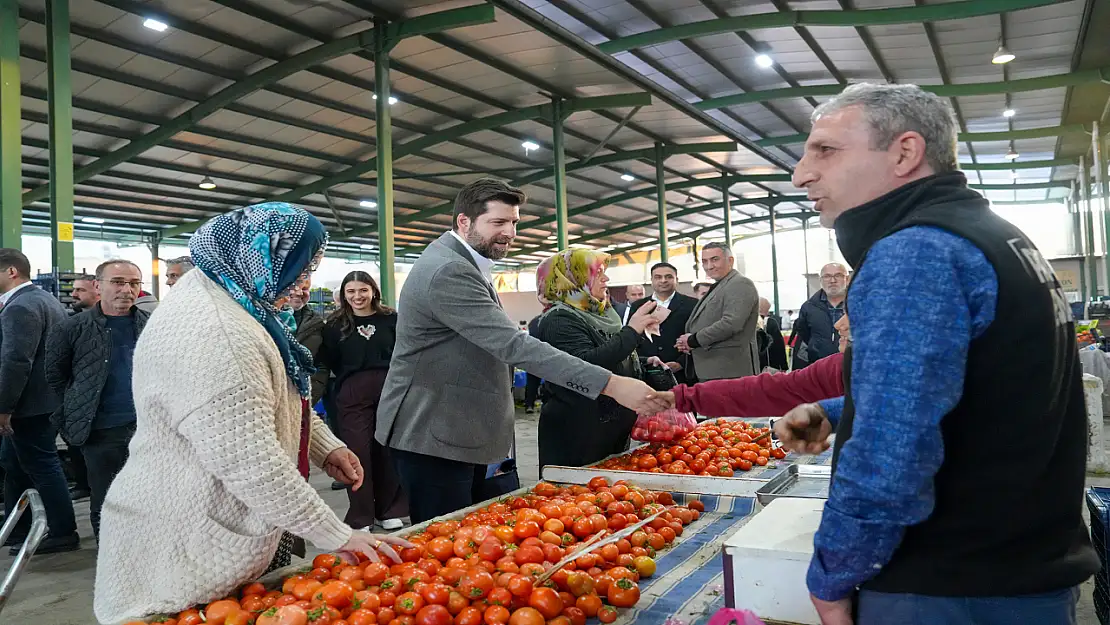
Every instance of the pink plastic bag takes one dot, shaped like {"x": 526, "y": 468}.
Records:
{"x": 725, "y": 616}
{"x": 664, "y": 427}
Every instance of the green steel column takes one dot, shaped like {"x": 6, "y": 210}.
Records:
{"x": 557, "y": 117}
{"x": 774, "y": 261}
{"x": 661, "y": 201}
{"x": 805, "y": 251}
{"x": 1099, "y": 158}
{"x": 155, "y": 267}
{"x": 1077, "y": 236}
{"x": 11, "y": 189}
{"x": 1085, "y": 190}
{"x": 726, "y": 200}
{"x": 384, "y": 183}
{"x": 60, "y": 102}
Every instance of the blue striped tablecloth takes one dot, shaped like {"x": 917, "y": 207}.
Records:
{"x": 688, "y": 586}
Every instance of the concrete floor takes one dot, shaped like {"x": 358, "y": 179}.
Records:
{"x": 57, "y": 589}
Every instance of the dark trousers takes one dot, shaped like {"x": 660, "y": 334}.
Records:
{"x": 105, "y": 453}
{"x": 880, "y": 608}
{"x": 531, "y": 391}
{"x": 77, "y": 469}
{"x": 380, "y": 496}
{"x": 30, "y": 460}
{"x": 438, "y": 486}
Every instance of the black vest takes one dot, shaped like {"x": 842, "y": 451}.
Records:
{"x": 1008, "y": 514}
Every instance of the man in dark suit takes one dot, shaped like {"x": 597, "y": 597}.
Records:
{"x": 28, "y": 453}
{"x": 775, "y": 354}
{"x": 664, "y": 284}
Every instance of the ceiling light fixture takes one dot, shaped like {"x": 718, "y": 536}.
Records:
{"x": 366, "y": 246}
{"x": 765, "y": 61}
{"x": 92, "y": 220}
{"x": 627, "y": 177}
{"x": 368, "y": 204}
{"x": 155, "y": 25}
{"x": 392, "y": 100}
{"x": 530, "y": 145}
{"x": 207, "y": 183}
{"x": 1009, "y": 113}
{"x": 1002, "y": 55}
{"x": 1011, "y": 155}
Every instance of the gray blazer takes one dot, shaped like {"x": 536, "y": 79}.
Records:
{"x": 724, "y": 322}
{"x": 449, "y": 389}
{"x": 25, "y": 322}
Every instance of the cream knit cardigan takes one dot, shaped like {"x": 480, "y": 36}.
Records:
{"x": 212, "y": 478}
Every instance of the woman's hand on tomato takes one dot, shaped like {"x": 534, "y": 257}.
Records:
{"x": 370, "y": 544}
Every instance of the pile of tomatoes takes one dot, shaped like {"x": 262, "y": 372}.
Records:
{"x": 715, "y": 448}
{"x": 484, "y": 569}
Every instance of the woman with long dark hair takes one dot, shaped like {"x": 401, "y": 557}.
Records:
{"x": 358, "y": 344}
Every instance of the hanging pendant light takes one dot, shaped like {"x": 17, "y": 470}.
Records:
{"x": 1002, "y": 55}
{"x": 207, "y": 183}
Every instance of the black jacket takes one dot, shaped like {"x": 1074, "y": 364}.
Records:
{"x": 310, "y": 333}
{"x": 25, "y": 323}
{"x": 814, "y": 327}
{"x": 590, "y": 429}
{"x": 775, "y": 354}
{"x": 675, "y": 326}
{"x": 77, "y": 355}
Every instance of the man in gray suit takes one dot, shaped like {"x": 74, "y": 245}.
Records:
{"x": 446, "y": 410}
{"x": 720, "y": 334}
{"x": 28, "y": 453}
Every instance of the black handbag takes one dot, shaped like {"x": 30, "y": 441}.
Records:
{"x": 660, "y": 378}
{"x": 500, "y": 479}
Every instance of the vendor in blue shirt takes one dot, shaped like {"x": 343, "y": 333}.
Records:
{"x": 960, "y": 450}
{"x": 89, "y": 363}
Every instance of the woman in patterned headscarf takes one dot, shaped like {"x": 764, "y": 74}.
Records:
{"x": 574, "y": 430}
{"x": 215, "y": 488}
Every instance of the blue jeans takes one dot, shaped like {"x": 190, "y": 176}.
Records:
{"x": 880, "y": 608}
{"x": 30, "y": 460}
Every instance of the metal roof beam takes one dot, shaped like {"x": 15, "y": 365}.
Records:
{"x": 1069, "y": 79}
{"x": 626, "y": 155}
{"x": 222, "y": 98}
{"x": 789, "y": 19}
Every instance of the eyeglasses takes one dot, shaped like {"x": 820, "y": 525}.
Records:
{"x": 118, "y": 282}
{"x": 835, "y": 276}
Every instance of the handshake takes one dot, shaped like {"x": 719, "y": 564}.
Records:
{"x": 637, "y": 395}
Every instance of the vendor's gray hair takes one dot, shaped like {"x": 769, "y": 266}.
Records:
{"x": 186, "y": 263}
{"x": 894, "y": 109}
{"x": 718, "y": 246}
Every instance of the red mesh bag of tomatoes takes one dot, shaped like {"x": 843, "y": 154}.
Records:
{"x": 663, "y": 427}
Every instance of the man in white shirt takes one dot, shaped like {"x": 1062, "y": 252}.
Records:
{"x": 664, "y": 287}
{"x": 632, "y": 295}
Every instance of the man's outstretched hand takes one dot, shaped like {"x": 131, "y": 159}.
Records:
{"x": 805, "y": 429}
{"x": 635, "y": 395}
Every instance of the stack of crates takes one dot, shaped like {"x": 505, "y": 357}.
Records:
{"x": 1098, "y": 502}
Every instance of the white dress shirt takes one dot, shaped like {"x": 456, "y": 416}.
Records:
{"x": 665, "y": 303}
{"x": 485, "y": 265}
{"x": 7, "y": 296}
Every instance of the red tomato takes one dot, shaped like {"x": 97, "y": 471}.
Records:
{"x": 547, "y": 601}
{"x": 469, "y": 616}
{"x": 433, "y": 615}
{"x": 476, "y": 584}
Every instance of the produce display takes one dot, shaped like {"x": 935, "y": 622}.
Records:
{"x": 716, "y": 448}
{"x": 494, "y": 567}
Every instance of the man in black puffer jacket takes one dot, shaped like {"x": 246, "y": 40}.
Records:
{"x": 88, "y": 363}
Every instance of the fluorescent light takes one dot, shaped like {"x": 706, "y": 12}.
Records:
{"x": 530, "y": 145}
{"x": 1011, "y": 155}
{"x": 1002, "y": 55}
{"x": 207, "y": 183}
{"x": 627, "y": 177}
{"x": 366, "y": 246}
{"x": 155, "y": 25}
{"x": 368, "y": 204}
{"x": 765, "y": 61}
{"x": 92, "y": 220}
{"x": 1009, "y": 113}
{"x": 392, "y": 100}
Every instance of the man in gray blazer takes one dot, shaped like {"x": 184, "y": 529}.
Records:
{"x": 446, "y": 411}
{"x": 28, "y": 453}
{"x": 720, "y": 334}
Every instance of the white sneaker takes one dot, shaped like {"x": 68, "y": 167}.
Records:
{"x": 392, "y": 525}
